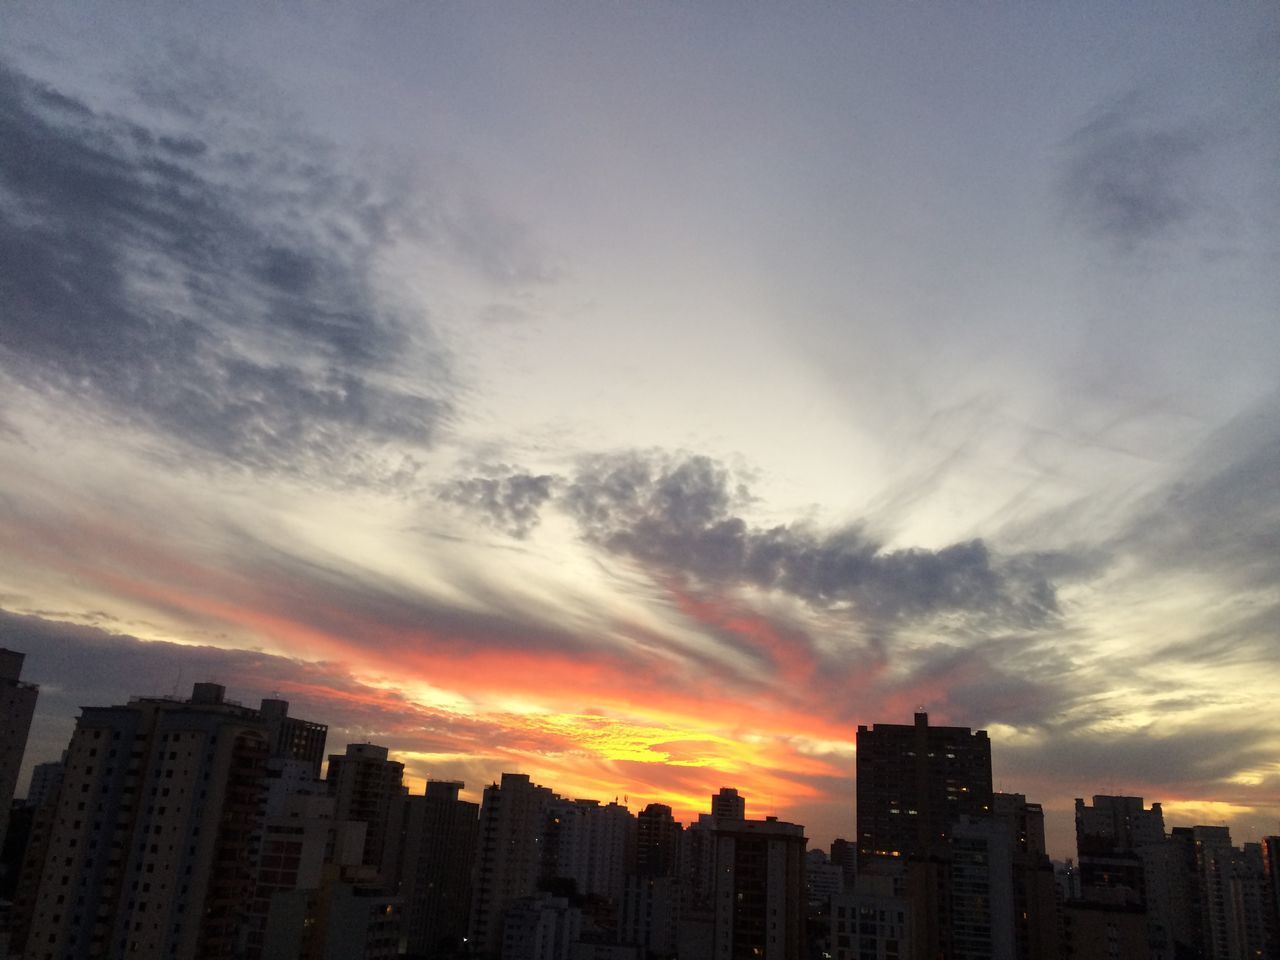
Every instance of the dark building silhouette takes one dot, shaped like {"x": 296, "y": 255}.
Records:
{"x": 729, "y": 805}
{"x": 291, "y": 738}
{"x": 368, "y": 787}
{"x": 658, "y": 840}
{"x": 1036, "y": 918}
{"x": 439, "y": 846}
{"x": 760, "y": 898}
{"x": 149, "y": 851}
{"x": 17, "y": 706}
{"x": 914, "y": 782}
{"x": 508, "y": 857}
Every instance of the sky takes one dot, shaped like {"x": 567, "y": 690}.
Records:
{"x": 644, "y": 395}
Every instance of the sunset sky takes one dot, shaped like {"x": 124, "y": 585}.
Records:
{"x": 643, "y": 395}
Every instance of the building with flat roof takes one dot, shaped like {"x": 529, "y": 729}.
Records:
{"x": 915, "y": 782}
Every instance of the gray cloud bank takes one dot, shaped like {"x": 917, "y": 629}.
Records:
{"x": 221, "y": 293}
{"x": 681, "y": 515}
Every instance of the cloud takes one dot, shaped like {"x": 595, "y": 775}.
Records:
{"x": 1129, "y": 179}
{"x": 1223, "y": 514}
{"x": 511, "y": 503}
{"x": 680, "y": 514}
{"x": 216, "y": 288}
{"x": 1174, "y": 763}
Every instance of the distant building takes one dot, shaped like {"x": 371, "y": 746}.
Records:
{"x": 650, "y": 914}
{"x": 729, "y": 805}
{"x": 368, "y": 787}
{"x": 291, "y": 738}
{"x": 439, "y": 847}
{"x": 508, "y": 857}
{"x": 590, "y": 844}
{"x": 658, "y": 841}
{"x": 760, "y": 901}
{"x": 823, "y": 879}
{"x": 302, "y": 846}
{"x": 540, "y": 927}
{"x": 914, "y": 782}
{"x": 1036, "y": 917}
{"x": 1104, "y": 930}
{"x": 872, "y": 920}
{"x": 1123, "y": 860}
{"x": 46, "y": 780}
{"x": 17, "y": 706}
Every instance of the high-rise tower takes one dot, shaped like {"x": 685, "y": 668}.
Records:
{"x": 915, "y": 782}
{"x": 149, "y": 855}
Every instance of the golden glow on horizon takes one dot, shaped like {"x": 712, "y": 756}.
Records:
{"x": 1205, "y": 811}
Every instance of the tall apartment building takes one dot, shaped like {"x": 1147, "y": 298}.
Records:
{"x": 300, "y": 845}
{"x": 728, "y": 804}
{"x": 760, "y": 900}
{"x": 509, "y": 856}
{"x": 17, "y": 706}
{"x": 149, "y": 854}
{"x": 369, "y": 787}
{"x": 658, "y": 836}
{"x": 590, "y": 844}
{"x": 439, "y": 844}
{"x": 914, "y": 782}
{"x": 1123, "y": 860}
{"x": 1037, "y": 923}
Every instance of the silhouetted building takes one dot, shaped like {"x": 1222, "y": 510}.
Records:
{"x": 914, "y": 782}
{"x": 439, "y": 844}
{"x": 369, "y": 787}
{"x": 823, "y": 879}
{"x": 845, "y": 854}
{"x": 291, "y": 738}
{"x": 872, "y": 919}
{"x": 590, "y": 845}
{"x": 1271, "y": 887}
{"x": 301, "y": 846}
{"x": 649, "y": 915}
{"x": 17, "y": 706}
{"x": 658, "y": 836}
{"x": 509, "y": 856}
{"x": 149, "y": 853}
{"x": 1037, "y": 922}
{"x": 759, "y": 889}
{"x": 540, "y": 927}
{"x": 1123, "y": 859}
{"x": 46, "y": 780}
{"x": 1104, "y": 930}
{"x": 728, "y": 805}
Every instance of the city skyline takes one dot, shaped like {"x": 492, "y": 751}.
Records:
{"x": 642, "y": 397}
{"x": 726, "y": 800}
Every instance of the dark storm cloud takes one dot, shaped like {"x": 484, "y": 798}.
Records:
{"x": 679, "y": 514}
{"x": 220, "y": 293}
{"x": 510, "y": 503}
{"x": 1129, "y": 179}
